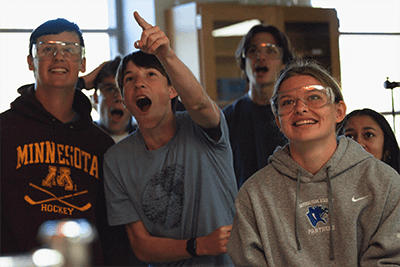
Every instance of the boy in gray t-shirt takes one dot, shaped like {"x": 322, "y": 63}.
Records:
{"x": 171, "y": 182}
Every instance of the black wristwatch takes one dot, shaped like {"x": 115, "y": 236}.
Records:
{"x": 191, "y": 247}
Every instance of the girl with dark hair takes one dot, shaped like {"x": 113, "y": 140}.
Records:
{"x": 372, "y": 131}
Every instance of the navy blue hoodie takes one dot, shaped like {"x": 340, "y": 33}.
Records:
{"x": 49, "y": 170}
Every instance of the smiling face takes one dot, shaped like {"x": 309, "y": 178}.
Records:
{"x": 304, "y": 124}
{"x": 262, "y": 70}
{"x": 113, "y": 115}
{"x": 367, "y": 132}
{"x": 147, "y": 95}
{"x": 57, "y": 72}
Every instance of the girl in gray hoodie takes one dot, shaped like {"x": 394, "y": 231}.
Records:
{"x": 321, "y": 200}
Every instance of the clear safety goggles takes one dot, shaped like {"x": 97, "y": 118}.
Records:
{"x": 47, "y": 50}
{"x": 108, "y": 89}
{"x": 271, "y": 51}
{"x": 314, "y": 96}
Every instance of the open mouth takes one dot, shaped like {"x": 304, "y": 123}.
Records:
{"x": 144, "y": 104}
{"x": 261, "y": 69}
{"x": 116, "y": 114}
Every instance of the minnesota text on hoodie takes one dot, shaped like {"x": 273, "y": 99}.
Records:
{"x": 49, "y": 170}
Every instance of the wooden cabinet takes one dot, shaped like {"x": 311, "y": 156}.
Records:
{"x": 313, "y": 33}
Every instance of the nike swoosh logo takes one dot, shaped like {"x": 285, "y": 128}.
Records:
{"x": 361, "y": 198}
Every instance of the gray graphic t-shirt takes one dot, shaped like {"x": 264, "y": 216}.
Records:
{"x": 184, "y": 189}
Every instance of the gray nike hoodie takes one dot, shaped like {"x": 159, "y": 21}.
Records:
{"x": 347, "y": 214}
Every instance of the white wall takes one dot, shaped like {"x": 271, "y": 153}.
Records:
{"x": 146, "y": 10}
{"x": 128, "y": 30}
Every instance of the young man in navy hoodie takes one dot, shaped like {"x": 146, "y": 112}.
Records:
{"x": 51, "y": 151}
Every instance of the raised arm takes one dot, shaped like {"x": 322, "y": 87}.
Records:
{"x": 201, "y": 108}
{"x": 89, "y": 78}
{"x": 149, "y": 248}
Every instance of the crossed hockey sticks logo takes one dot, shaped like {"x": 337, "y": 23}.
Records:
{"x": 60, "y": 199}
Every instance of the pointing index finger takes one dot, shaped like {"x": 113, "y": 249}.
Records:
{"x": 142, "y": 23}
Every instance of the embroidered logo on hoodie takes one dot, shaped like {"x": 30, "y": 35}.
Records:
{"x": 317, "y": 214}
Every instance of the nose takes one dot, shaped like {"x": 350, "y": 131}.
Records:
{"x": 360, "y": 141}
{"x": 117, "y": 97}
{"x": 300, "y": 106}
{"x": 57, "y": 55}
{"x": 261, "y": 54}
{"x": 139, "y": 83}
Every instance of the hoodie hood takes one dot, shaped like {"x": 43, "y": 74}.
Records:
{"x": 347, "y": 154}
{"x": 29, "y": 106}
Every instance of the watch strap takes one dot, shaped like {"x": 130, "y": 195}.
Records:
{"x": 191, "y": 247}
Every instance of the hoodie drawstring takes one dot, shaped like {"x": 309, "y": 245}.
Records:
{"x": 330, "y": 204}
{"x": 296, "y": 215}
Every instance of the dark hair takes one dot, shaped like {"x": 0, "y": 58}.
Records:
{"x": 144, "y": 60}
{"x": 55, "y": 26}
{"x": 109, "y": 69}
{"x": 280, "y": 38}
{"x": 313, "y": 69}
{"x": 391, "y": 148}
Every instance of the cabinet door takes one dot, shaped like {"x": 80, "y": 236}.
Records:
{"x": 313, "y": 33}
{"x": 218, "y": 53}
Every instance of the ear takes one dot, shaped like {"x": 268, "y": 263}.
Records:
{"x": 172, "y": 92}
{"x": 340, "y": 111}
{"x": 94, "y": 101}
{"x": 95, "y": 97}
{"x": 31, "y": 64}
{"x": 278, "y": 123}
{"x": 83, "y": 65}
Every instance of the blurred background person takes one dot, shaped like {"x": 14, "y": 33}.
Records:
{"x": 261, "y": 55}
{"x": 114, "y": 118}
{"x": 372, "y": 131}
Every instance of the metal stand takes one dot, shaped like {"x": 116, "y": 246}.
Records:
{"x": 391, "y": 86}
